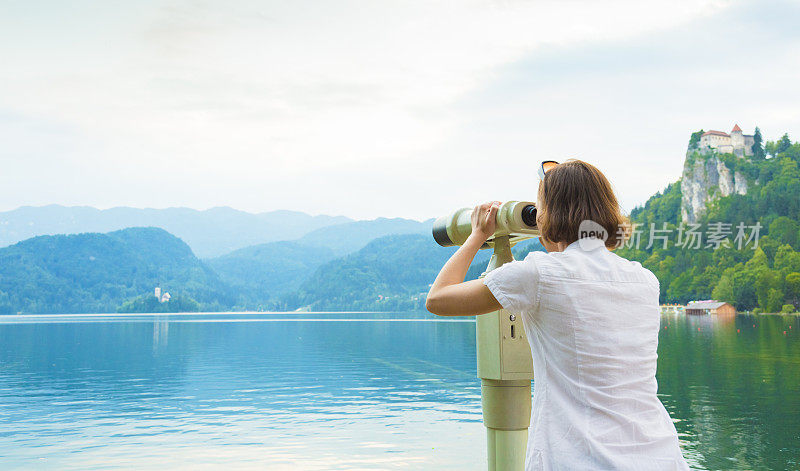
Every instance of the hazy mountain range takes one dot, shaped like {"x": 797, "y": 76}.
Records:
{"x": 209, "y": 233}
{"x": 95, "y": 270}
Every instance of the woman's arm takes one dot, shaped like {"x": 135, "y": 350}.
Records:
{"x": 450, "y": 295}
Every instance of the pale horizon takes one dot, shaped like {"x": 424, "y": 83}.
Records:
{"x": 370, "y": 110}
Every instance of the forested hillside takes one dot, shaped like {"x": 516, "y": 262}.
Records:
{"x": 99, "y": 272}
{"x": 118, "y": 271}
{"x": 391, "y": 273}
{"x": 261, "y": 273}
{"x": 766, "y": 278}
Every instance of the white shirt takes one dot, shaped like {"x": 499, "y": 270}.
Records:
{"x": 592, "y": 320}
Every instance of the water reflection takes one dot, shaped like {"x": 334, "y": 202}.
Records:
{"x": 160, "y": 333}
{"x": 733, "y": 383}
{"x": 344, "y": 391}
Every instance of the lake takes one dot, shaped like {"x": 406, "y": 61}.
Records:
{"x": 345, "y": 391}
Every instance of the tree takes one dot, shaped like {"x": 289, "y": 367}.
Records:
{"x": 725, "y": 289}
{"x": 5, "y": 304}
{"x": 783, "y": 144}
{"x": 787, "y": 259}
{"x": 769, "y": 148}
{"x": 758, "y": 148}
{"x": 793, "y": 289}
{"x": 774, "y": 300}
{"x": 785, "y": 230}
{"x": 695, "y": 139}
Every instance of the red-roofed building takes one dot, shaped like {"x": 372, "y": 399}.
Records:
{"x": 734, "y": 143}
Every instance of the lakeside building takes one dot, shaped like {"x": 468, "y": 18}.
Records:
{"x": 702, "y": 308}
{"x": 736, "y": 142}
{"x": 162, "y": 297}
{"x": 672, "y": 308}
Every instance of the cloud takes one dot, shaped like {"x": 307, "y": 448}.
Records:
{"x": 360, "y": 108}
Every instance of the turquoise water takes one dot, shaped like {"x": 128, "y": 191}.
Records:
{"x": 344, "y": 391}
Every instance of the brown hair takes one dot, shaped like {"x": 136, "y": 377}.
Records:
{"x": 573, "y": 192}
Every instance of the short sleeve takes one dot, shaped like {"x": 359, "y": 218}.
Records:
{"x": 515, "y": 285}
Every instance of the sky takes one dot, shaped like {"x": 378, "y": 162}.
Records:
{"x": 374, "y": 109}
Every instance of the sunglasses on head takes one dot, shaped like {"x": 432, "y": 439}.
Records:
{"x": 545, "y": 167}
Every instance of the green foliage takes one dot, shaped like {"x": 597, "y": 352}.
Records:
{"x": 792, "y": 286}
{"x": 785, "y": 230}
{"x": 787, "y": 309}
{"x": 758, "y": 147}
{"x": 149, "y": 303}
{"x": 793, "y": 152}
{"x": 736, "y": 164}
{"x": 391, "y": 273}
{"x": 783, "y": 144}
{"x": 769, "y": 148}
{"x": 766, "y": 278}
{"x": 5, "y": 304}
{"x": 664, "y": 206}
{"x": 694, "y": 141}
{"x": 261, "y": 273}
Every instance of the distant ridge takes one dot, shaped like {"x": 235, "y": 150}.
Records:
{"x": 262, "y": 272}
{"x": 209, "y": 233}
{"x": 351, "y": 236}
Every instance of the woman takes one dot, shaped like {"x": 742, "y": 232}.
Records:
{"x": 592, "y": 320}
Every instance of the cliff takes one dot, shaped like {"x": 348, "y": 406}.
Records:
{"x": 708, "y": 176}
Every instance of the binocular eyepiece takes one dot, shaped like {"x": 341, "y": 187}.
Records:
{"x": 515, "y": 219}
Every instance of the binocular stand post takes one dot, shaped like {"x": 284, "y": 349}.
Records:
{"x": 506, "y": 370}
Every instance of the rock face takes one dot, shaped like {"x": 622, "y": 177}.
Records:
{"x": 706, "y": 178}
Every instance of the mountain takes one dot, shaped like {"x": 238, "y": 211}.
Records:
{"x": 391, "y": 273}
{"x": 209, "y": 233}
{"x": 723, "y": 194}
{"x": 261, "y": 272}
{"x": 98, "y": 272}
{"x": 351, "y": 236}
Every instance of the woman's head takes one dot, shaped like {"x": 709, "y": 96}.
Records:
{"x": 574, "y": 192}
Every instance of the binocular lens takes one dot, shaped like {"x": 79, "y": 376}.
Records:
{"x": 529, "y": 215}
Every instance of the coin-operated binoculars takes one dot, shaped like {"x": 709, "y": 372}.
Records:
{"x": 504, "y": 355}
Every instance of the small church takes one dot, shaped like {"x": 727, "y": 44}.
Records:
{"x": 735, "y": 143}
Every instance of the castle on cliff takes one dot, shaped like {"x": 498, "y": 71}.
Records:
{"x": 735, "y": 143}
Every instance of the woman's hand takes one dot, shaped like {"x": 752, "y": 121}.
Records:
{"x": 484, "y": 220}
{"x": 450, "y": 295}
